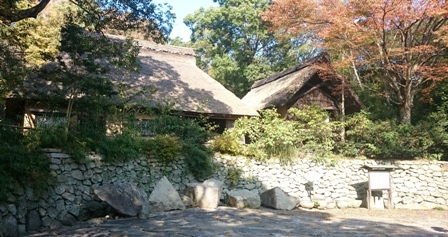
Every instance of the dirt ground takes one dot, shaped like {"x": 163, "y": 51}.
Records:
{"x": 232, "y": 222}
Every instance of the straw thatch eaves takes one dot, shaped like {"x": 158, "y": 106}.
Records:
{"x": 172, "y": 71}
{"x": 313, "y": 82}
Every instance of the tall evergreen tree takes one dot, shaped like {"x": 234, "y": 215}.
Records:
{"x": 234, "y": 45}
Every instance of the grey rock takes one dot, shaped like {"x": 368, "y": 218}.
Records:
{"x": 59, "y": 189}
{"x": 51, "y": 223}
{"x": 205, "y": 195}
{"x": 331, "y": 205}
{"x": 68, "y": 196}
{"x": 243, "y": 198}
{"x": 73, "y": 209}
{"x": 30, "y": 194}
{"x": 88, "y": 174}
{"x": 343, "y": 203}
{"x": 320, "y": 203}
{"x": 32, "y": 221}
{"x": 77, "y": 174}
{"x": 164, "y": 197}
{"x": 249, "y": 186}
{"x": 307, "y": 204}
{"x": 60, "y": 205}
{"x": 12, "y": 208}
{"x": 188, "y": 202}
{"x": 56, "y": 153}
{"x": 52, "y": 212}
{"x": 277, "y": 199}
{"x": 126, "y": 198}
{"x": 68, "y": 219}
{"x": 10, "y": 227}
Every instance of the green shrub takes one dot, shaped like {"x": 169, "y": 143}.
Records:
{"x": 120, "y": 147}
{"x": 198, "y": 159}
{"x": 192, "y": 136}
{"x": 269, "y": 135}
{"x": 21, "y": 163}
{"x": 165, "y": 147}
{"x": 227, "y": 143}
{"x": 233, "y": 176}
{"x": 387, "y": 139}
{"x": 317, "y": 135}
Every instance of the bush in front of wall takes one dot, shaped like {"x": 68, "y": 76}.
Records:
{"x": 233, "y": 176}
{"x": 199, "y": 160}
{"x": 227, "y": 143}
{"x": 164, "y": 147}
{"x": 21, "y": 162}
{"x": 192, "y": 137}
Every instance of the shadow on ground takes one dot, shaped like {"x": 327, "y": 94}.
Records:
{"x": 227, "y": 221}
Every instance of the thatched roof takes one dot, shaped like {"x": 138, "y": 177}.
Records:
{"x": 286, "y": 87}
{"x": 173, "y": 72}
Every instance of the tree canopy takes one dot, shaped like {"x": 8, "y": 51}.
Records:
{"x": 117, "y": 14}
{"x": 401, "y": 44}
{"x": 27, "y": 43}
{"x": 234, "y": 45}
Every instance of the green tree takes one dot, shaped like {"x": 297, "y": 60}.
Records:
{"x": 234, "y": 45}
{"x": 26, "y": 43}
{"x": 177, "y": 41}
{"x": 151, "y": 19}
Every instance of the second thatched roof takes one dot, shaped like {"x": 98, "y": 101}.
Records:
{"x": 285, "y": 88}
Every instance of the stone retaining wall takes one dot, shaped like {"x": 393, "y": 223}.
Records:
{"x": 70, "y": 198}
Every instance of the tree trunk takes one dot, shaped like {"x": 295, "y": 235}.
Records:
{"x": 343, "y": 110}
{"x": 406, "y": 108}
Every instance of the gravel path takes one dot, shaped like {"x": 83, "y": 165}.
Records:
{"x": 227, "y": 221}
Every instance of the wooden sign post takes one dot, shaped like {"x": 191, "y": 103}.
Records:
{"x": 379, "y": 179}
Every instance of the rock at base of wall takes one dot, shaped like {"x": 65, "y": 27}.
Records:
{"x": 68, "y": 220}
{"x": 243, "y": 198}
{"x": 320, "y": 204}
{"x": 164, "y": 197}
{"x": 126, "y": 198}
{"x": 32, "y": 221}
{"x": 422, "y": 205}
{"x": 277, "y": 199}
{"x": 205, "y": 195}
{"x": 188, "y": 202}
{"x": 9, "y": 227}
{"x": 344, "y": 203}
{"x": 51, "y": 223}
{"x": 307, "y": 204}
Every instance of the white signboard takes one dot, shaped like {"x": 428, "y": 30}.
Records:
{"x": 379, "y": 180}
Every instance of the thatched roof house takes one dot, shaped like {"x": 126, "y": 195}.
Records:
{"x": 172, "y": 71}
{"x": 312, "y": 82}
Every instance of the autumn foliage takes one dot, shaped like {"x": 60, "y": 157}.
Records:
{"x": 400, "y": 43}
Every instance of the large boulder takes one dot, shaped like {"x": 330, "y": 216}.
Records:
{"x": 242, "y": 198}
{"x": 205, "y": 195}
{"x": 277, "y": 199}
{"x": 164, "y": 197}
{"x": 126, "y": 198}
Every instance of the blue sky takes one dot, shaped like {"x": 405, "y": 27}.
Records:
{"x": 182, "y": 8}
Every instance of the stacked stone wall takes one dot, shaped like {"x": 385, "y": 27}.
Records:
{"x": 70, "y": 198}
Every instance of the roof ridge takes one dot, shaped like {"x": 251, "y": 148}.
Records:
{"x": 322, "y": 57}
{"x": 148, "y": 45}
